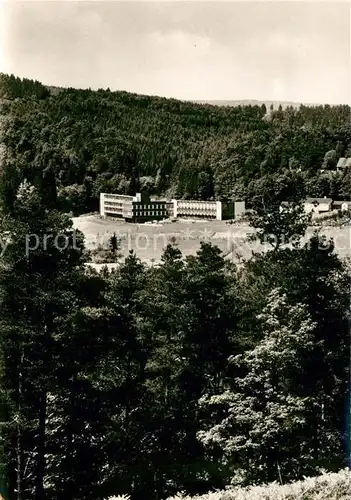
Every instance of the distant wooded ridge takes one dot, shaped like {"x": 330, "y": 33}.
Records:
{"x": 225, "y": 102}
{"x": 255, "y": 102}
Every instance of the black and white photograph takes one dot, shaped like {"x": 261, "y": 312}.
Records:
{"x": 175, "y": 250}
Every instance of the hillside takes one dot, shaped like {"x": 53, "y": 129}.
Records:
{"x": 76, "y": 143}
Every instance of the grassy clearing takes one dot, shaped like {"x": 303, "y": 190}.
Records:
{"x": 149, "y": 240}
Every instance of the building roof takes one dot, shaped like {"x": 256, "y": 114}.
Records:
{"x": 341, "y": 202}
{"x": 319, "y": 200}
{"x": 344, "y": 163}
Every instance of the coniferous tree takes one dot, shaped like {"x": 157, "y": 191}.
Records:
{"x": 264, "y": 433}
{"x": 209, "y": 339}
{"x": 41, "y": 277}
{"x": 314, "y": 276}
{"x": 127, "y": 436}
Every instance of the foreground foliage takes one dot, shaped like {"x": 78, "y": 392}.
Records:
{"x": 331, "y": 486}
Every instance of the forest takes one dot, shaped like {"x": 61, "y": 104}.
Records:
{"x": 78, "y": 143}
{"x": 184, "y": 377}
{"x": 149, "y": 381}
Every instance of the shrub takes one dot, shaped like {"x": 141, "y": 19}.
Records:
{"x": 328, "y": 486}
{"x": 120, "y": 497}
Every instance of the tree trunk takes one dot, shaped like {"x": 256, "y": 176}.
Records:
{"x": 19, "y": 464}
{"x": 39, "y": 480}
{"x": 42, "y": 413}
{"x": 19, "y": 450}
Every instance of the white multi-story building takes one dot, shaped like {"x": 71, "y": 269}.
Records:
{"x": 141, "y": 208}
{"x": 136, "y": 208}
{"x": 117, "y": 205}
{"x": 208, "y": 209}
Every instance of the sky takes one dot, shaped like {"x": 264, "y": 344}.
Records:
{"x": 192, "y": 50}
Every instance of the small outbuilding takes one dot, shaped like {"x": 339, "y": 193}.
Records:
{"x": 344, "y": 206}
{"x": 343, "y": 163}
{"x": 318, "y": 205}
